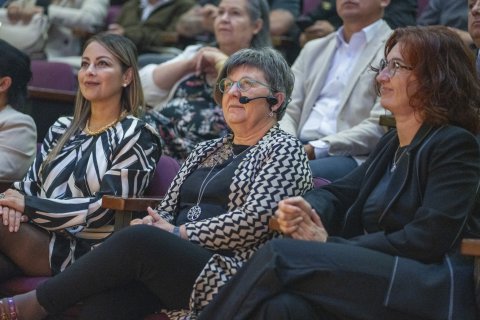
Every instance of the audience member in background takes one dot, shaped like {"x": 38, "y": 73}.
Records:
{"x": 148, "y": 22}
{"x": 200, "y": 18}
{"x": 212, "y": 219}
{"x": 180, "y": 90}
{"x": 325, "y": 20}
{"x": 450, "y": 13}
{"x": 334, "y": 109}
{"x": 199, "y": 21}
{"x": 69, "y": 22}
{"x": 102, "y": 149}
{"x": 18, "y": 134}
{"x": 474, "y": 27}
{"x": 386, "y": 241}
{"x": 401, "y": 13}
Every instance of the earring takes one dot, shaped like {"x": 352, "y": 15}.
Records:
{"x": 270, "y": 114}
{"x": 124, "y": 85}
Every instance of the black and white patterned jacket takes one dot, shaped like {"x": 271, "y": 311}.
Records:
{"x": 275, "y": 168}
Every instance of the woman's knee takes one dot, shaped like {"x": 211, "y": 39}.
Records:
{"x": 285, "y": 306}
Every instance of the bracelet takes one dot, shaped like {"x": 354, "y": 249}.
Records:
{"x": 176, "y": 231}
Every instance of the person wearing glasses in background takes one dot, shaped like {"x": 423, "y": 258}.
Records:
{"x": 334, "y": 109}
{"x": 180, "y": 90}
{"x": 384, "y": 241}
{"x": 213, "y": 217}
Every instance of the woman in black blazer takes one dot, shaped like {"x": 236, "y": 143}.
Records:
{"x": 383, "y": 242}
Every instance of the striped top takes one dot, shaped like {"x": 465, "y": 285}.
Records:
{"x": 66, "y": 196}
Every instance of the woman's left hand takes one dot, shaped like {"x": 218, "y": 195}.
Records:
{"x": 297, "y": 219}
{"x": 154, "y": 219}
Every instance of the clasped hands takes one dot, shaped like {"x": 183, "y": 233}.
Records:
{"x": 12, "y": 206}
{"x": 154, "y": 219}
{"x": 297, "y": 219}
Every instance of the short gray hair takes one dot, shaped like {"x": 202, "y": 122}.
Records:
{"x": 277, "y": 72}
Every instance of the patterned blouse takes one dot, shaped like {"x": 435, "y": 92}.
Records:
{"x": 186, "y": 114}
{"x": 66, "y": 196}
{"x": 273, "y": 169}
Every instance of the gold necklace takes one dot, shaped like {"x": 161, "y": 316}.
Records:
{"x": 104, "y": 128}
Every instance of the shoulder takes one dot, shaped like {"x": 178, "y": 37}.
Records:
{"x": 279, "y": 139}
{"x": 11, "y": 116}
{"x": 62, "y": 124}
{"x": 453, "y": 135}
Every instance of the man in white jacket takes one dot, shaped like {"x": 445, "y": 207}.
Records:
{"x": 335, "y": 108}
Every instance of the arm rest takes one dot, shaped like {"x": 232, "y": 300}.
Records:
{"x": 124, "y": 208}
{"x": 129, "y": 204}
{"x": 471, "y": 247}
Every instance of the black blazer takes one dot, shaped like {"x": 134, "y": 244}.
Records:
{"x": 427, "y": 212}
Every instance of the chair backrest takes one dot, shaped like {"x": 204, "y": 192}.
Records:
{"x": 51, "y": 93}
{"x": 167, "y": 168}
{"x": 53, "y": 75}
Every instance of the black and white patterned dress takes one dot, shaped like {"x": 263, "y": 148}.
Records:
{"x": 275, "y": 168}
{"x": 66, "y": 196}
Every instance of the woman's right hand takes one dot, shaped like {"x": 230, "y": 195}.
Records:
{"x": 12, "y": 218}
{"x": 12, "y": 205}
{"x": 297, "y": 219}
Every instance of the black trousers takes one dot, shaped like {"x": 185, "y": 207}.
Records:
{"x": 137, "y": 270}
{"x": 338, "y": 281}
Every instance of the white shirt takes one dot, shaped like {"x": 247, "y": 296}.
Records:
{"x": 322, "y": 120}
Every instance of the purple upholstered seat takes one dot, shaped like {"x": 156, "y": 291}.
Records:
{"x": 167, "y": 168}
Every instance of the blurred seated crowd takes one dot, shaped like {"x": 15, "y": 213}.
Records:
{"x": 254, "y": 99}
{"x": 182, "y": 44}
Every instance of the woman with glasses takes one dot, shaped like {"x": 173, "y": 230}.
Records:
{"x": 180, "y": 90}
{"x": 383, "y": 242}
{"x": 214, "y": 216}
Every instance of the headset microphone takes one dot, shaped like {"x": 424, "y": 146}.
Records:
{"x": 271, "y": 100}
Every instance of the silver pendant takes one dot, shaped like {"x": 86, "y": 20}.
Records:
{"x": 194, "y": 212}
{"x": 394, "y": 167}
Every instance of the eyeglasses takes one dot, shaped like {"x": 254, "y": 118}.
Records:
{"x": 392, "y": 66}
{"x": 244, "y": 84}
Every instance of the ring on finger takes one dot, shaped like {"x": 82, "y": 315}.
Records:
{"x": 2, "y": 195}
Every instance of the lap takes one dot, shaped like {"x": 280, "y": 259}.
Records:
{"x": 332, "y": 168}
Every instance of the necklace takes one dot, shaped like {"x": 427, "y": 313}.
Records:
{"x": 104, "y": 128}
{"x": 397, "y": 160}
{"x": 194, "y": 212}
